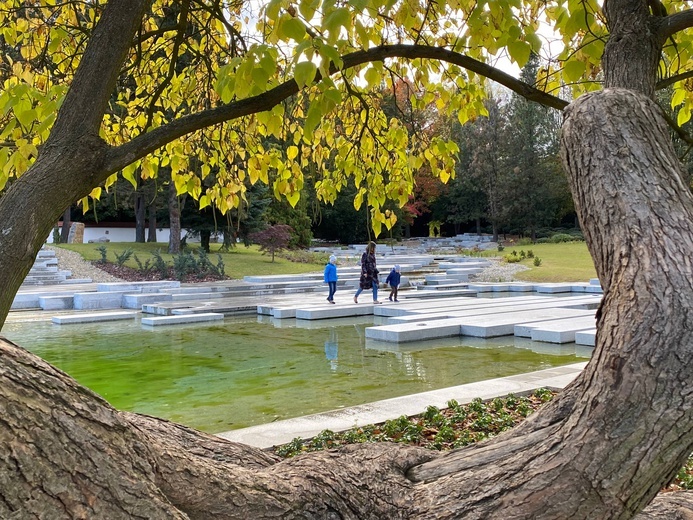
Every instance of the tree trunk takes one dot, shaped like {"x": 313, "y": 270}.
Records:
{"x": 65, "y": 230}
{"x": 205, "y": 237}
{"x": 151, "y": 235}
{"x": 174, "y": 220}
{"x": 140, "y": 214}
{"x": 601, "y": 449}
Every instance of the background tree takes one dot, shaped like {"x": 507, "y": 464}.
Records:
{"x": 273, "y": 240}
{"x": 533, "y": 184}
{"x": 601, "y": 449}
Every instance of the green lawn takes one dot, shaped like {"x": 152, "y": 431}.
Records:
{"x": 565, "y": 262}
{"x": 239, "y": 262}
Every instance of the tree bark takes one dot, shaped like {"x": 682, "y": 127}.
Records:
{"x": 140, "y": 214}
{"x": 151, "y": 235}
{"x": 174, "y": 219}
{"x": 65, "y": 230}
{"x": 601, "y": 449}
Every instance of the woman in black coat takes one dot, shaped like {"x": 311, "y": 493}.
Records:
{"x": 369, "y": 273}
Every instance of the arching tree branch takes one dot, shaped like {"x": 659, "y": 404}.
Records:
{"x": 139, "y": 147}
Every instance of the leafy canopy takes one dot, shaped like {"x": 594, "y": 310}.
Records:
{"x": 195, "y": 55}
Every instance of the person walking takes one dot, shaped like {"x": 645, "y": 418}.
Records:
{"x": 393, "y": 280}
{"x": 331, "y": 278}
{"x": 369, "y": 273}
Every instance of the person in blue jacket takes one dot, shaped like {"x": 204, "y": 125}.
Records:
{"x": 393, "y": 280}
{"x": 331, "y": 277}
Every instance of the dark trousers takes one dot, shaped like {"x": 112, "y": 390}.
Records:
{"x": 333, "y": 289}
{"x": 393, "y": 291}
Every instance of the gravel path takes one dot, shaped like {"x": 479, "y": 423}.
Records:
{"x": 499, "y": 272}
{"x": 80, "y": 268}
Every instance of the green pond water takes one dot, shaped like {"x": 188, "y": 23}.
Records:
{"x": 253, "y": 370}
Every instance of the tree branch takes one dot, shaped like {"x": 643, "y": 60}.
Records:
{"x": 140, "y": 146}
{"x": 674, "y": 23}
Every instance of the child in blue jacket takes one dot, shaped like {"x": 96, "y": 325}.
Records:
{"x": 393, "y": 279}
{"x": 331, "y": 277}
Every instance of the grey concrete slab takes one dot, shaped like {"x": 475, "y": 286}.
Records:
{"x": 503, "y": 308}
{"x": 280, "y": 432}
{"x": 334, "y": 311}
{"x": 416, "y": 331}
{"x": 451, "y": 304}
{"x": 554, "y": 288}
{"x": 132, "y": 287}
{"x": 56, "y": 303}
{"x": 524, "y": 330}
{"x": 448, "y": 293}
{"x": 135, "y": 301}
{"x": 503, "y": 325}
{"x": 99, "y": 300}
{"x": 586, "y": 337}
{"x": 562, "y": 331}
{"x": 180, "y": 319}
{"x": 69, "y": 319}
{"x": 520, "y": 287}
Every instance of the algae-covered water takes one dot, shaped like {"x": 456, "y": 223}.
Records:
{"x": 253, "y": 370}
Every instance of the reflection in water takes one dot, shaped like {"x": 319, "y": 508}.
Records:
{"x": 247, "y": 370}
{"x": 332, "y": 348}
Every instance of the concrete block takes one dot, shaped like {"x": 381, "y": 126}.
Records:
{"x": 554, "y": 288}
{"x": 334, "y": 311}
{"x": 555, "y": 331}
{"x": 135, "y": 301}
{"x": 98, "y": 300}
{"x": 401, "y": 333}
{"x": 136, "y": 287}
{"x": 586, "y": 337}
{"x": 93, "y": 318}
{"x": 56, "y": 303}
{"x": 182, "y": 318}
{"x": 494, "y": 325}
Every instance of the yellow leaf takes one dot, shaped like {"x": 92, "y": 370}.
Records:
{"x": 293, "y": 198}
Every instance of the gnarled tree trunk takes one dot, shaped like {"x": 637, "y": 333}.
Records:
{"x": 602, "y": 449}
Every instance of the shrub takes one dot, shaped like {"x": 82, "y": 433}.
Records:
{"x": 145, "y": 268}
{"x": 103, "y": 252}
{"x": 523, "y": 255}
{"x": 184, "y": 264}
{"x": 562, "y": 237}
{"x": 500, "y": 247}
{"x": 160, "y": 264}
{"x": 530, "y": 253}
{"x": 512, "y": 258}
{"x": 123, "y": 257}
{"x": 537, "y": 261}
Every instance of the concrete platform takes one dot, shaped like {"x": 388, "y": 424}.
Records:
{"x": 586, "y": 337}
{"x": 182, "y": 318}
{"x": 334, "y": 311}
{"x": 131, "y": 287}
{"x": 482, "y": 326}
{"x": 69, "y": 319}
{"x": 281, "y": 432}
{"x": 135, "y": 301}
{"x": 554, "y": 331}
{"x": 56, "y": 303}
{"x": 481, "y": 311}
{"x": 99, "y": 300}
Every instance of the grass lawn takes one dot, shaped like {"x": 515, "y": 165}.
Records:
{"x": 239, "y": 262}
{"x": 564, "y": 262}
